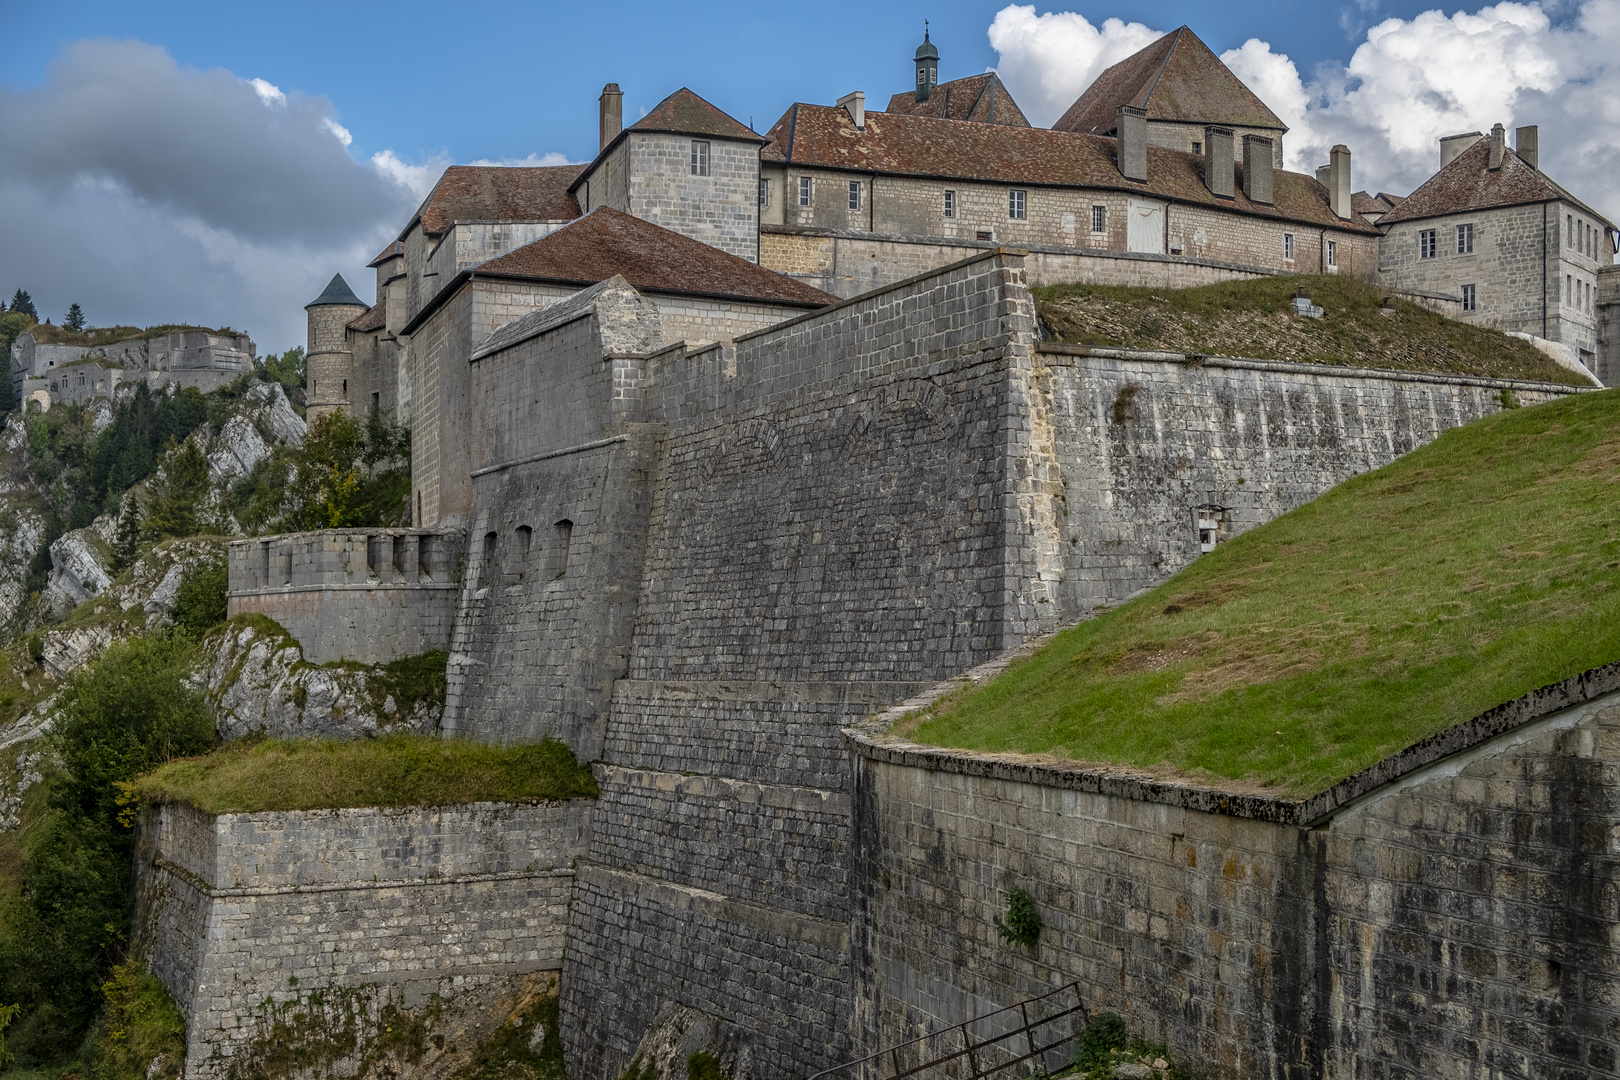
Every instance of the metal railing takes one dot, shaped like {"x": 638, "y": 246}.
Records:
{"x": 985, "y": 1045}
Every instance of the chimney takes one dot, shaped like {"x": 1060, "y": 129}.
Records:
{"x": 1525, "y": 144}
{"x": 1220, "y": 161}
{"x": 1257, "y": 164}
{"x": 1130, "y": 125}
{"x": 1498, "y": 144}
{"x": 1452, "y": 145}
{"x": 612, "y": 113}
{"x": 855, "y": 105}
{"x": 1324, "y": 176}
{"x": 1339, "y": 182}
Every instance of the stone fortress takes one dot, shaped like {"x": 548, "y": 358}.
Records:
{"x": 725, "y": 443}
{"x": 75, "y": 373}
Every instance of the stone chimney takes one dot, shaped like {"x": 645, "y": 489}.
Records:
{"x": 1220, "y": 161}
{"x": 1257, "y": 165}
{"x": 1452, "y": 145}
{"x": 1130, "y": 125}
{"x": 1526, "y": 144}
{"x": 1498, "y": 146}
{"x": 855, "y": 105}
{"x": 612, "y": 113}
{"x": 1339, "y": 182}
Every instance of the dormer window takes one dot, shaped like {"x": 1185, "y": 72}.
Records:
{"x": 700, "y": 158}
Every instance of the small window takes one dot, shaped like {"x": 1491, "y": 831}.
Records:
{"x": 1569, "y": 289}
{"x": 1288, "y": 246}
{"x": 1333, "y": 253}
{"x": 376, "y": 400}
{"x": 1465, "y": 239}
{"x": 345, "y": 386}
{"x": 1198, "y": 147}
{"x": 950, "y": 204}
{"x": 854, "y": 194}
{"x": 700, "y": 158}
{"x": 1470, "y": 298}
{"x": 1569, "y": 229}
{"x": 764, "y": 193}
{"x": 985, "y": 234}
{"x": 523, "y": 538}
{"x": 564, "y": 531}
{"x": 1017, "y": 205}
{"x": 1099, "y": 219}
{"x": 491, "y": 542}
{"x": 1426, "y": 244}
{"x": 804, "y": 191}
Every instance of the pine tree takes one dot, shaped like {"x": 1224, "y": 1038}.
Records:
{"x": 127, "y": 542}
{"x": 178, "y": 492}
{"x": 23, "y": 304}
{"x": 74, "y": 319}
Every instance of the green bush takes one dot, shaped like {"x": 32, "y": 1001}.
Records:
{"x": 141, "y": 1035}
{"x": 200, "y": 603}
{"x": 1022, "y": 926}
{"x": 1103, "y": 1034}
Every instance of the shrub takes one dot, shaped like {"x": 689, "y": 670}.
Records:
{"x": 200, "y": 603}
{"x": 141, "y": 1035}
{"x": 1022, "y": 926}
{"x": 1104, "y": 1034}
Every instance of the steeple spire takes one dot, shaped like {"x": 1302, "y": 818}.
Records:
{"x": 927, "y": 60}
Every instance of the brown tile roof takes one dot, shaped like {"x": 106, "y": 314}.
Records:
{"x": 499, "y": 193}
{"x": 374, "y": 319}
{"x": 983, "y": 98}
{"x": 606, "y": 242}
{"x": 1468, "y": 183}
{"x": 824, "y": 136}
{"x": 396, "y": 248}
{"x": 684, "y": 113}
{"x": 1177, "y": 77}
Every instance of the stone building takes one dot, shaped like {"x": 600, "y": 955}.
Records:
{"x": 1521, "y": 253}
{"x": 96, "y": 364}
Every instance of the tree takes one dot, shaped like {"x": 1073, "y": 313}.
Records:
{"x": 23, "y": 304}
{"x": 74, "y": 319}
{"x": 180, "y": 489}
{"x": 127, "y": 542}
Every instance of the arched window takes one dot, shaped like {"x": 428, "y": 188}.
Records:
{"x": 517, "y": 560}
{"x": 491, "y": 541}
{"x": 559, "y": 558}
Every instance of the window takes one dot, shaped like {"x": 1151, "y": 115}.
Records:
{"x": 1017, "y": 205}
{"x": 1099, "y": 219}
{"x": 1333, "y": 253}
{"x": 376, "y": 400}
{"x": 1198, "y": 147}
{"x": 1569, "y": 229}
{"x": 804, "y": 191}
{"x": 1470, "y": 298}
{"x": 1569, "y": 289}
{"x": 490, "y": 540}
{"x": 764, "y": 193}
{"x": 345, "y": 387}
{"x": 950, "y": 204}
{"x": 854, "y": 194}
{"x": 1288, "y": 247}
{"x": 985, "y": 234}
{"x": 1465, "y": 239}
{"x": 564, "y": 530}
{"x": 1426, "y": 244}
{"x": 700, "y": 158}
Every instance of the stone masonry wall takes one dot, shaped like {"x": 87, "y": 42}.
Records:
{"x": 720, "y": 209}
{"x": 1458, "y": 921}
{"x": 251, "y": 913}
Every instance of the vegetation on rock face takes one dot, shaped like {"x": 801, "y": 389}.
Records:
{"x": 1255, "y": 319}
{"x": 346, "y": 474}
{"x": 141, "y": 1034}
{"x": 393, "y": 770}
{"x": 1405, "y": 601}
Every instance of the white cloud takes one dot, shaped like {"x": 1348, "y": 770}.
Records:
{"x": 1409, "y": 82}
{"x": 333, "y": 128}
{"x": 1046, "y": 60}
{"x": 531, "y": 162}
{"x": 417, "y": 179}
{"x": 268, "y": 92}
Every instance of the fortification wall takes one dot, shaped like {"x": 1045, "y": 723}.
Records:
{"x": 1454, "y": 922}
{"x": 367, "y": 595}
{"x": 272, "y": 927}
{"x": 1149, "y": 447}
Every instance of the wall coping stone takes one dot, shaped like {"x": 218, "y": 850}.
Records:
{"x": 1337, "y": 371}
{"x": 373, "y": 585}
{"x": 870, "y": 739}
{"x": 564, "y": 452}
{"x": 423, "y": 880}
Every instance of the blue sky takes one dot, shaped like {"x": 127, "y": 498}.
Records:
{"x": 216, "y": 163}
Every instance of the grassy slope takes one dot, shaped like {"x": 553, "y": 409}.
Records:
{"x": 1254, "y": 319}
{"x": 1402, "y": 602}
{"x": 395, "y": 770}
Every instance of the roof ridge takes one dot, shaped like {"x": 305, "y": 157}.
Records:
{"x": 1168, "y": 53}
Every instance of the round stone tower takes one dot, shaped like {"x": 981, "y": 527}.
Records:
{"x": 328, "y": 362}
{"x": 927, "y": 67}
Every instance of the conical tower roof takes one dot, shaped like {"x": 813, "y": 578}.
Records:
{"x": 337, "y": 292}
{"x": 926, "y": 50}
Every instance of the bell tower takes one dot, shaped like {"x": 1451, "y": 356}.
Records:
{"x": 927, "y": 67}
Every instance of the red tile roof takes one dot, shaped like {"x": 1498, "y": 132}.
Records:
{"x": 389, "y": 252}
{"x": 1176, "y": 78}
{"x": 824, "y": 136}
{"x": 1468, "y": 183}
{"x": 374, "y": 319}
{"x": 498, "y": 193}
{"x": 606, "y": 242}
{"x": 684, "y": 113}
{"x": 983, "y": 98}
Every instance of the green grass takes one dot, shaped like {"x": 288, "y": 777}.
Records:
{"x": 1254, "y": 319}
{"x": 395, "y": 770}
{"x": 1401, "y": 603}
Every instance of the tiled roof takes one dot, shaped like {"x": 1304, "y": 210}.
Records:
{"x": 1468, "y": 183}
{"x": 374, "y": 319}
{"x": 389, "y": 252}
{"x": 983, "y": 98}
{"x": 684, "y": 113}
{"x": 606, "y": 242}
{"x": 1177, "y": 77}
{"x": 499, "y": 193}
{"x": 337, "y": 292}
{"x": 825, "y": 137}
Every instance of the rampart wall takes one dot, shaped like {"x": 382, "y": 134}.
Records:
{"x": 439, "y": 912}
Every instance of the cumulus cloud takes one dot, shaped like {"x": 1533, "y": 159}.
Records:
{"x": 1047, "y": 60}
{"x": 532, "y": 161}
{"x": 1409, "y": 82}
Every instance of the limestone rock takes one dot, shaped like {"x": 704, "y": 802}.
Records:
{"x": 21, "y": 532}
{"x": 277, "y": 413}
{"x": 237, "y": 449}
{"x": 79, "y": 572}
{"x": 74, "y": 647}
{"x": 259, "y": 682}
{"x": 155, "y": 578}
{"x": 1133, "y": 1072}
{"x": 100, "y": 413}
